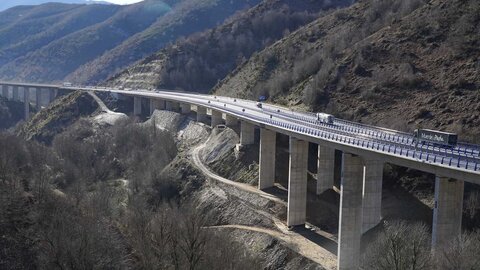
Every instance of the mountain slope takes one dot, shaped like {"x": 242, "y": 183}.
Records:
{"x": 197, "y": 62}
{"x": 184, "y": 19}
{"x": 6, "y": 4}
{"x": 37, "y": 28}
{"x": 88, "y": 43}
{"x": 60, "y": 57}
{"x": 402, "y": 64}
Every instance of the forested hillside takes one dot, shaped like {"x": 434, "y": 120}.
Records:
{"x": 400, "y": 64}
{"x": 185, "y": 18}
{"x": 197, "y": 62}
{"x": 48, "y": 43}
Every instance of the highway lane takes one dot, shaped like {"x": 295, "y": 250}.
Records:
{"x": 354, "y": 136}
{"x": 399, "y": 148}
{"x": 377, "y": 133}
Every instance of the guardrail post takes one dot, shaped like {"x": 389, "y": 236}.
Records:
{"x": 447, "y": 213}
{"x": 350, "y": 216}
{"x": 266, "y": 177}
{"x": 297, "y": 183}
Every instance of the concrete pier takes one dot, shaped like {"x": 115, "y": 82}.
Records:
{"x": 38, "y": 98}
{"x": 326, "y": 169}
{"x": 230, "y": 121}
{"x": 15, "y": 93}
{"x": 216, "y": 118}
{"x": 372, "y": 194}
{"x": 156, "y": 104}
{"x": 5, "y": 91}
{"x": 26, "y": 102}
{"x": 247, "y": 133}
{"x": 52, "y": 94}
{"x": 267, "y": 158}
{"x": 297, "y": 183}
{"x": 447, "y": 212}
{"x": 137, "y": 105}
{"x": 350, "y": 216}
{"x": 168, "y": 105}
{"x": 172, "y": 106}
{"x": 201, "y": 114}
{"x": 185, "y": 108}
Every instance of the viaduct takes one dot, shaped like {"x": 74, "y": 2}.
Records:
{"x": 364, "y": 149}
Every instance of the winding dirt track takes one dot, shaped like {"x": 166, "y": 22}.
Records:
{"x": 295, "y": 241}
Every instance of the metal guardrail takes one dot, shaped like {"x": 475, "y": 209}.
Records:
{"x": 398, "y": 144}
{"x": 426, "y": 155}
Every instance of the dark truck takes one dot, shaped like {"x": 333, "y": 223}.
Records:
{"x": 436, "y": 137}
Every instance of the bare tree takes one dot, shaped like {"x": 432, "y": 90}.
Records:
{"x": 472, "y": 204}
{"x": 400, "y": 246}
{"x": 461, "y": 254}
{"x": 193, "y": 238}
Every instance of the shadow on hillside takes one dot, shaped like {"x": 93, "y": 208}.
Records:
{"x": 318, "y": 239}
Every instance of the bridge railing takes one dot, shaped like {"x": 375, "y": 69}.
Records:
{"x": 428, "y": 155}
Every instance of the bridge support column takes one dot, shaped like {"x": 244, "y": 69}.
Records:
{"x": 267, "y": 158}
{"x": 247, "y": 133}
{"x": 38, "y": 98}
{"x": 230, "y": 121}
{"x": 5, "y": 91}
{"x": 26, "y": 102}
{"x": 15, "y": 93}
{"x": 326, "y": 168}
{"x": 172, "y": 106}
{"x": 156, "y": 104}
{"x": 168, "y": 105}
{"x": 201, "y": 114}
{"x": 137, "y": 105}
{"x": 175, "y": 106}
{"x": 350, "y": 220}
{"x": 216, "y": 118}
{"x": 447, "y": 214}
{"x": 185, "y": 108}
{"x": 52, "y": 94}
{"x": 372, "y": 194}
{"x": 297, "y": 183}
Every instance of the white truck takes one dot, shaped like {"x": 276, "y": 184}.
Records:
{"x": 325, "y": 118}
